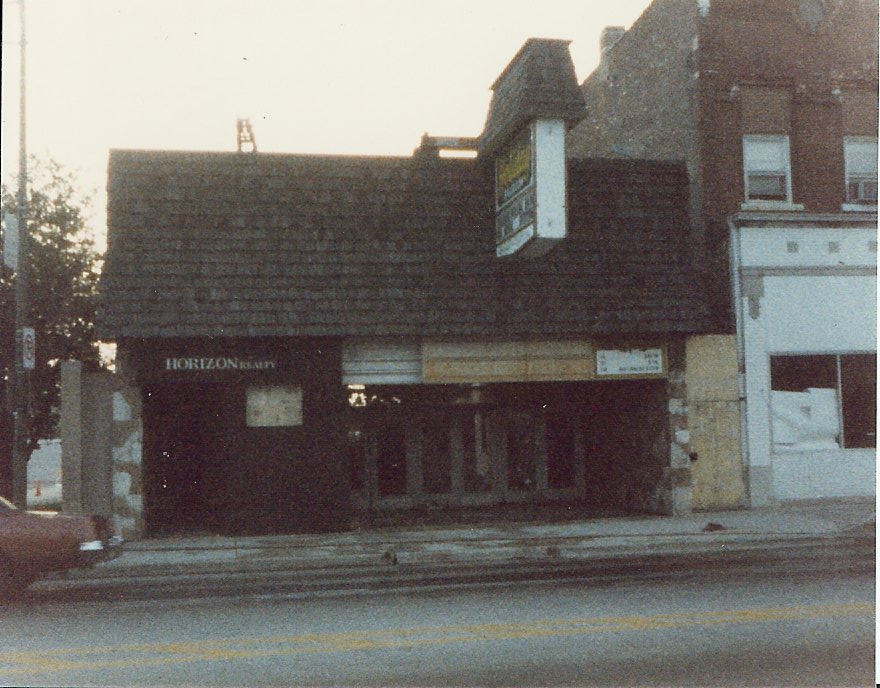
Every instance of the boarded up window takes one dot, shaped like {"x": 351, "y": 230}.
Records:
{"x": 824, "y": 401}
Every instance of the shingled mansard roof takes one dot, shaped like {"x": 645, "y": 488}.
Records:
{"x": 229, "y": 245}
{"x": 539, "y": 82}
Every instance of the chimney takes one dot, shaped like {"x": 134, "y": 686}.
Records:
{"x": 607, "y": 40}
{"x": 610, "y": 35}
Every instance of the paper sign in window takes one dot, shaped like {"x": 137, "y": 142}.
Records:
{"x": 274, "y": 406}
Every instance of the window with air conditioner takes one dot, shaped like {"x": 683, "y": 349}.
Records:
{"x": 767, "y": 168}
{"x": 860, "y": 154}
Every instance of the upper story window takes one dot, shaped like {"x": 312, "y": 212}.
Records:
{"x": 860, "y": 154}
{"x": 767, "y": 168}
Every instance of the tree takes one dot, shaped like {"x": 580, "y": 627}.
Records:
{"x": 62, "y": 300}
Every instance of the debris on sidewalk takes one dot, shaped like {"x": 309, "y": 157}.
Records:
{"x": 713, "y": 527}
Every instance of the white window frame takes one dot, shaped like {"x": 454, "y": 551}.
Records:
{"x": 850, "y": 144}
{"x": 782, "y": 168}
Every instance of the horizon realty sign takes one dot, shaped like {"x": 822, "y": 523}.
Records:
{"x": 194, "y": 363}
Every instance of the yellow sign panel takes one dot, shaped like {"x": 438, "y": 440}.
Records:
{"x": 475, "y": 362}
{"x": 514, "y": 169}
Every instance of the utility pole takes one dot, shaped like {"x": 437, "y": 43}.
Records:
{"x": 21, "y": 384}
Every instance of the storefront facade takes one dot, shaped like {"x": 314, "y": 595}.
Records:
{"x": 807, "y": 320}
{"x": 305, "y": 435}
{"x": 229, "y": 444}
{"x": 479, "y": 423}
{"x": 303, "y": 339}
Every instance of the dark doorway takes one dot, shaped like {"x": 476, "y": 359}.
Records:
{"x": 181, "y": 452}
{"x": 627, "y": 444}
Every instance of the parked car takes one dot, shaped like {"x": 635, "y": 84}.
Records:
{"x": 33, "y": 544}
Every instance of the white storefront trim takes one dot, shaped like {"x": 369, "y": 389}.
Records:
{"x": 801, "y": 288}
{"x": 827, "y": 473}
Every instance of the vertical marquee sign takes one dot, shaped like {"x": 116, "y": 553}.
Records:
{"x": 530, "y": 215}
{"x": 515, "y": 191}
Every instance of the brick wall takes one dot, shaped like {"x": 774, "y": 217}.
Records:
{"x": 640, "y": 101}
{"x": 748, "y": 46}
{"x": 674, "y": 87}
{"x": 810, "y": 77}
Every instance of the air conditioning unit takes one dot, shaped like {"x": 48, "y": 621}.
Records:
{"x": 862, "y": 190}
{"x": 767, "y": 186}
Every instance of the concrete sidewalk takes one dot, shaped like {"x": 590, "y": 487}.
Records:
{"x": 495, "y": 545}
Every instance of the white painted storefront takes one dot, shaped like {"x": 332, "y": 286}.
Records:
{"x": 807, "y": 331}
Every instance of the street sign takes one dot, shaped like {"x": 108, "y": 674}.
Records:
{"x": 10, "y": 240}
{"x": 28, "y": 348}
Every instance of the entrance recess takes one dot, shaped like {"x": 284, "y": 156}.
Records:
{"x": 604, "y": 444}
{"x": 183, "y": 486}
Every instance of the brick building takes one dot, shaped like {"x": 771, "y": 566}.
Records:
{"x": 305, "y": 338}
{"x": 772, "y": 104}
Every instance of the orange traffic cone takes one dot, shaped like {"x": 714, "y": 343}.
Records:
{"x": 38, "y": 491}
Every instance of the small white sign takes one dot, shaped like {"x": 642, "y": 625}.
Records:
{"x": 10, "y": 240}
{"x": 629, "y": 362}
{"x": 28, "y": 348}
{"x": 274, "y": 406}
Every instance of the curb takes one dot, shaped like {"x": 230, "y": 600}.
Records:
{"x": 804, "y": 556}
{"x": 338, "y": 565}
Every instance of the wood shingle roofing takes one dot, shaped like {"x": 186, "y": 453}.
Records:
{"x": 237, "y": 245}
{"x": 539, "y": 82}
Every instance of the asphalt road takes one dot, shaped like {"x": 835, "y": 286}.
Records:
{"x": 702, "y": 625}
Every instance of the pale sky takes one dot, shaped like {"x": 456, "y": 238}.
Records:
{"x": 323, "y": 76}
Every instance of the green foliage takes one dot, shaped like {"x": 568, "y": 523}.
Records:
{"x": 63, "y": 284}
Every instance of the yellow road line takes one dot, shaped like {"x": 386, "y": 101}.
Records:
{"x": 156, "y": 654}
